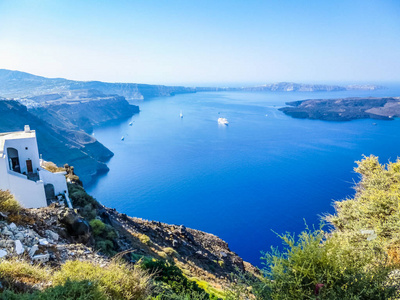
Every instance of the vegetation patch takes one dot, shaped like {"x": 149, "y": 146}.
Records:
{"x": 8, "y": 204}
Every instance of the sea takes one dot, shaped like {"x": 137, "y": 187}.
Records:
{"x": 262, "y": 175}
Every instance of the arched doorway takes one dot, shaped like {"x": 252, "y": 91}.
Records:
{"x": 13, "y": 160}
{"x": 50, "y": 194}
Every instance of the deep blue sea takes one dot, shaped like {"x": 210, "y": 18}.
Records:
{"x": 264, "y": 172}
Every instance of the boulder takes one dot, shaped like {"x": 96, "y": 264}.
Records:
{"x": 19, "y": 249}
{"x": 52, "y": 235}
{"x": 76, "y": 225}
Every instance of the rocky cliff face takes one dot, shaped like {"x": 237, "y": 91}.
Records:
{"x": 56, "y": 143}
{"x": 81, "y": 109}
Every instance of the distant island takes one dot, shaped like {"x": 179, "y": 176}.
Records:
{"x": 345, "y": 109}
{"x": 297, "y": 87}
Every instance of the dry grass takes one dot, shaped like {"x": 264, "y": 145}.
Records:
{"x": 52, "y": 167}
{"x": 116, "y": 280}
{"x": 8, "y": 203}
{"x": 13, "y": 271}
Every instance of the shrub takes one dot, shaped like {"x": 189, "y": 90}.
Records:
{"x": 52, "y": 167}
{"x": 80, "y": 198}
{"x": 20, "y": 274}
{"x": 176, "y": 283}
{"x": 144, "y": 239}
{"x": 171, "y": 252}
{"x": 116, "y": 281}
{"x": 98, "y": 226}
{"x": 8, "y": 203}
{"x": 346, "y": 270}
{"x": 71, "y": 290}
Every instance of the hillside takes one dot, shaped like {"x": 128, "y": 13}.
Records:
{"x": 16, "y": 84}
{"x": 344, "y": 109}
{"x": 194, "y": 262}
{"x": 56, "y": 143}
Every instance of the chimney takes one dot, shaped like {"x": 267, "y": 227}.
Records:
{"x": 27, "y": 128}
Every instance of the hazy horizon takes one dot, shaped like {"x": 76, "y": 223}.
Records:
{"x": 203, "y": 43}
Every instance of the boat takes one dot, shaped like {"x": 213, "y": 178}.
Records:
{"x": 122, "y": 138}
{"x": 130, "y": 124}
{"x": 181, "y": 115}
{"x": 223, "y": 121}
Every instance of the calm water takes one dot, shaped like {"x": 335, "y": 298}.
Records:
{"x": 263, "y": 172}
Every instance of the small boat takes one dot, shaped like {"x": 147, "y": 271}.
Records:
{"x": 130, "y": 124}
{"x": 122, "y": 138}
{"x": 181, "y": 115}
{"x": 374, "y": 124}
{"x": 223, "y": 121}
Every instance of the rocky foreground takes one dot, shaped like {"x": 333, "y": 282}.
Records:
{"x": 345, "y": 109}
{"x": 54, "y": 235}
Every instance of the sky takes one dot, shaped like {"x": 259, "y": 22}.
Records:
{"x": 203, "y": 42}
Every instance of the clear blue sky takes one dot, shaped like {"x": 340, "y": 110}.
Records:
{"x": 198, "y": 42}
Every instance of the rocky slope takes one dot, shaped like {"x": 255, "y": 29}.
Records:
{"x": 55, "y": 234}
{"x": 344, "y": 109}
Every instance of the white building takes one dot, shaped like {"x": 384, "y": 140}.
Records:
{"x": 21, "y": 172}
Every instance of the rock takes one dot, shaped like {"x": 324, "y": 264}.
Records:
{"x": 76, "y": 225}
{"x": 12, "y": 227}
{"x": 223, "y": 254}
{"x": 367, "y": 231}
{"x": 52, "y": 235}
{"x": 7, "y": 232}
{"x": 175, "y": 243}
{"x": 41, "y": 258}
{"x": 18, "y": 247}
{"x": 33, "y": 250}
{"x": 43, "y": 242}
{"x": 19, "y": 236}
{"x": 3, "y": 253}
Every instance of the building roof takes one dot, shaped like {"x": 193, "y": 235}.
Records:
{"x": 16, "y": 135}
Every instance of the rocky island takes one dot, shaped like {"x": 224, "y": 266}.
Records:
{"x": 344, "y": 109}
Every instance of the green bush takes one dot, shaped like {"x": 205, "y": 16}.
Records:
{"x": 98, "y": 226}
{"x": 346, "y": 270}
{"x": 175, "y": 283}
{"x": 8, "y": 203}
{"x": 80, "y": 198}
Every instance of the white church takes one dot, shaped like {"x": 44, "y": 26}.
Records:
{"x": 21, "y": 171}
